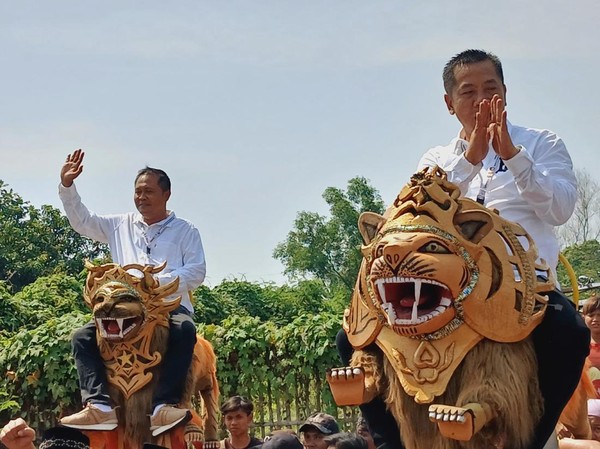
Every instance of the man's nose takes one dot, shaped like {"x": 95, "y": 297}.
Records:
{"x": 483, "y": 95}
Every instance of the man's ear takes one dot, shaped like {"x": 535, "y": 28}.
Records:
{"x": 449, "y": 105}
{"x": 168, "y": 194}
{"x": 505, "y": 101}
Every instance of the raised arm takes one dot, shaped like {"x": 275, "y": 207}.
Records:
{"x": 81, "y": 219}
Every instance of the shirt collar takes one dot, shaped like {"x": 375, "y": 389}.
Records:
{"x": 139, "y": 220}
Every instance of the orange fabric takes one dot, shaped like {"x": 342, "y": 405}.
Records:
{"x": 594, "y": 356}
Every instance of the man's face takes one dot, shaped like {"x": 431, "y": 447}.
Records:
{"x": 313, "y": 439}
{"x": 474, "y": 83}
{"x": 149, "y": 198}
{"x": 595, "y": 425}
{"x": 238, "y": 422}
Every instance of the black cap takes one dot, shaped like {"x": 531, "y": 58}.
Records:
{"x": 323, "y": 422}
{"x": 282, "y": 440}
{"x": 64, "y": 438}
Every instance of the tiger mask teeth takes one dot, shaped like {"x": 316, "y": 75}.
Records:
{"x": 117, "y": 328}
{"x": 410, "y": 301}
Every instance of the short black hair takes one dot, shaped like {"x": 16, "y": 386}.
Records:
{"x": 468, "y": 57}
{"x": 346, "y": 441}
{"x": 163, "y": 179}
{"x": 235, "y": 403}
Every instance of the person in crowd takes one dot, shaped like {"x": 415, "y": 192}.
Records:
{"x": 568, "y": 442}
{"x": 237, "y": 416}
{"x": 591, "y": 315}
{"x": 282, "y": 440}
{"x": 362, "y": 429}
{"x": 345, "y": 441}
{"x": 17, "y": 434}
{"x": 151, "y": 236}
{"x": 316, "y": 427}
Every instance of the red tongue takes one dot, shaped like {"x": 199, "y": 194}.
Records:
{"x": 113, "y": 327}
{"x": 407, "y": 301}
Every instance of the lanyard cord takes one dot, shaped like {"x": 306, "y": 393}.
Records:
{"x": 158, "y": 233}
{"x": 484, "y": 183}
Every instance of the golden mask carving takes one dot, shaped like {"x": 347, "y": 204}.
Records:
{"x": 127, "y": 309}
{"x": 439, "y": 274}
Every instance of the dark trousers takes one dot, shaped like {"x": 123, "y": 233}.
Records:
{"x": 561, "y": 343}
{"x": 174, "y": 366}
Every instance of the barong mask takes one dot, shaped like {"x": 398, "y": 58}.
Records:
{"x": 127, "y": 309}
{"x": 440, "y": 273}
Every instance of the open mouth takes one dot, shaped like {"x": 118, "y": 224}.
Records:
{"x": 412, "y": 301}
{"x": 117, "y": 328}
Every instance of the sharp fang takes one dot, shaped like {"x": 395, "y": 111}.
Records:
{"x": 381, "y": 289}
{"x": 120, "y": 323}
{"x": 445, "y": 302}
{"x": 389, "y": 311}
{"x": 415, "y": 308}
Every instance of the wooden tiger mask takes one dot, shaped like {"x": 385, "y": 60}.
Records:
{"x": 439, "y": 274}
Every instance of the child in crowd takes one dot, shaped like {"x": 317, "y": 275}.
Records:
{"x": 237, "y": 416}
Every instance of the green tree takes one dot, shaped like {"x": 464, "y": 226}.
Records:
{"x": 328, "y": 248}
{"x": 37, "y": 242}
{"x": 585, "y": 260}
{"x": 267, "y": 302}
{"x": 48, "y": 297}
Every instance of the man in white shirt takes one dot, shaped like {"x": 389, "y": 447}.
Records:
{"x": 527, "y": 175}
{"x": 150, "y": 237}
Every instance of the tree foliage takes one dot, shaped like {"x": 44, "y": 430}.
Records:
{"x": 328, "y": 248}
{"x": 37, "y": 242}
{"x": 267, "y": 302}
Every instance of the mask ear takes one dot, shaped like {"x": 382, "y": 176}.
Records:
{"x": 368, "y": 225}
{"x": 473, "y": 225}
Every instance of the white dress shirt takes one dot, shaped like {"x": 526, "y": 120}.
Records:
{"x": 536, "y": 188}
{"x": 129, "y": 238}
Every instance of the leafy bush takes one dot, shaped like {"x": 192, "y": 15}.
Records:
{"x": 40, "y": 371}
{"x": 47, "y": 297}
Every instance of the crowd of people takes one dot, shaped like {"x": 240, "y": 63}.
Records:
{"x": 319, "y": 431}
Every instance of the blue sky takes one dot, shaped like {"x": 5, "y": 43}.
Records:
{"x": 255, "y": 107}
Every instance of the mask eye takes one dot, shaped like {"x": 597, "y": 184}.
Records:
{"x": 379, "y": 251}
{"x": 434, "y": 247}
